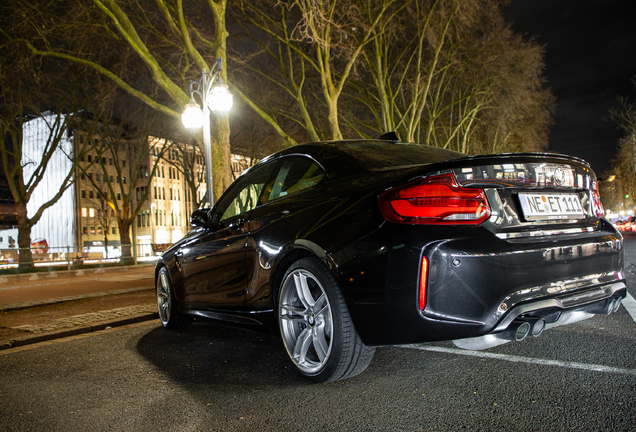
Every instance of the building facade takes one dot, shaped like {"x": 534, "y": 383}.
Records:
{"x": 165, "y": 198}
{"x": 165, "y": 213}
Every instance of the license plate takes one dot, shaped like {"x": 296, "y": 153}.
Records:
{"x": 551, "y": 206}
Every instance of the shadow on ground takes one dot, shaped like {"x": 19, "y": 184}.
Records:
{"x": 207, "y": 353}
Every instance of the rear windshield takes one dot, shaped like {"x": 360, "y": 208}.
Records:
{"x": 379, "y": 155}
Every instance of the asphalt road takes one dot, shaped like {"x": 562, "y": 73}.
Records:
{"x": 580, "y": 377}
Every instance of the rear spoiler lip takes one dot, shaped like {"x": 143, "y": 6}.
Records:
{"x": 470, "y": 161}
{"x": 583, "y": 178}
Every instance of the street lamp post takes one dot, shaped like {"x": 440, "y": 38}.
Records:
{"x": 216, "y": 97}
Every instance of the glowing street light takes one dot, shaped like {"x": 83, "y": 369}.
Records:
{"x": 214, "y": 96}
{"x": 192, "y": 117}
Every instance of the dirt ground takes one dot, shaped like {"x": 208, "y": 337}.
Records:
{"x": 43, "y": 314}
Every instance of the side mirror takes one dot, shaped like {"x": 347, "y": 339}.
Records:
{"x": 199, "y": 218}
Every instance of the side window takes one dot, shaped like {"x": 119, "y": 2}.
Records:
{"x": 243, "y": 195}
{"x": 296, "y": 174}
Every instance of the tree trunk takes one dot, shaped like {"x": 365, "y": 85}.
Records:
{"x": 221, "y": 153}
{"x": 221, "y": 157}
{"x": 24, "y": 238}
{"x": 126, "y": 245}
{"x": 333, "y": 118}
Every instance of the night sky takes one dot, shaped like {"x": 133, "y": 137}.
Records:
{"x": 590, "y": 60}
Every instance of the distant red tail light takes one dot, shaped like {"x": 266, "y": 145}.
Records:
{"x": 438, "y": 200}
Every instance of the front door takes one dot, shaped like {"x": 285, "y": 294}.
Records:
{"x": 213, "y": 264}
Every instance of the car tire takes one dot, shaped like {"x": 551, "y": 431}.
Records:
{"x": 166, "y": 304}
{"x": 315, "y": 324}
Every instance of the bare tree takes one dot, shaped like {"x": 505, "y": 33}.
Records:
{"x": 312, "y": 48}
{"x": 105, "y": 217}
{"x": 403, "y": 60}
{"x": 624, "y": 163}
{"x": 452, "y": 74}
{"x": 34, "y": 143}
{"x": 185, "y": 155}
{"x": 615, "y": 192}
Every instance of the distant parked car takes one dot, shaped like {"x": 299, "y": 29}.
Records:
{"x": 619, "y": 225}
{"x": 348, "y": 245}
{"x": 40, "y": 246}
{"x": 629, "y": 226}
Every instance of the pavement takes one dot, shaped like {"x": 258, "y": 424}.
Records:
{"x": 24, "y": 291}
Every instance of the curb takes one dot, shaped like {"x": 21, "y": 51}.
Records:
{"x": 64, "y": 275}
{"x": 103, "y": 325}
{"x": 26, "y": 305}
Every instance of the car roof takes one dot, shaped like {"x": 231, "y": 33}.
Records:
{"x": 351, "y": 157}
{"x": 370, "y": 155}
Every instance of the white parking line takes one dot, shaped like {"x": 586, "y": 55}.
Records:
{"x": 519, "y": 359}
{"x": 630, "y": 306}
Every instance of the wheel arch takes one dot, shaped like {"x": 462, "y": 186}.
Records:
{"x": 299, "y": 249}
{"x": 158, "y": 266}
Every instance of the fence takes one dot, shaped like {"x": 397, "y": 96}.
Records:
{"x": 70, "y": 256}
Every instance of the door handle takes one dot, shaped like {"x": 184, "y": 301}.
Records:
{"x": 238, "y": 224}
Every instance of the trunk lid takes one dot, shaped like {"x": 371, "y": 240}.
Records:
{"x": 530, "y": 194}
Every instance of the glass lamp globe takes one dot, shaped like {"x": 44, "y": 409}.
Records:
{"x": 220, "y": 99}
{"x": 192, "y": 117}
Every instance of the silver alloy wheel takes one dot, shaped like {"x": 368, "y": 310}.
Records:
{"x": 163, "y": 298}
{"x": 305, "y": 321}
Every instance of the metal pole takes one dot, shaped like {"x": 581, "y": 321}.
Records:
{"x": 207, "y": 147}
{"x": 207, "y": 140}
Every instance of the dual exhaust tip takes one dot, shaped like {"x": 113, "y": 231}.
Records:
{"x": 520, "y": 328}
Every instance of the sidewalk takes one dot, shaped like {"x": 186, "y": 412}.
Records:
{"x": 36, "y": 289}
{"x": 21, "y": 295}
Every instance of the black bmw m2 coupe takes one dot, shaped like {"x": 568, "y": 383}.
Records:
{"x": 347, "y": 245}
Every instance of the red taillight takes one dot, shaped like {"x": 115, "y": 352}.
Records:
{"x": 435, "y": 200}
{"x": 423, "y": 279}
{"x": 597, "y": 206}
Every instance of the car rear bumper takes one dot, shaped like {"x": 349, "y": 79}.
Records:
{"x": 574, "y": 299}
{"x": 547, "y": 313}
{"x": 478, "y": 284}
